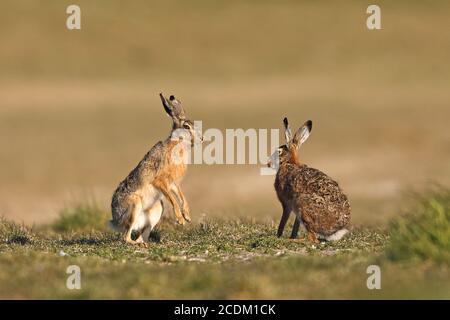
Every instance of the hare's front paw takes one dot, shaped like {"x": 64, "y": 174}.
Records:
{"x": 181, "y": 221}
{"x": 186, "y": 214}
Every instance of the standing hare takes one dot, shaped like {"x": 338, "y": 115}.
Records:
{"x": 315, "y": 198}
{"x": 137, "y": 202}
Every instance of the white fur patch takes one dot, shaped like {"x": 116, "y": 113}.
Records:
{"x": 140, "y": 221}
{"x": 337, "y": 235}
{"x": 274, "y": 160}
{"x": 149, "y": 218}
{"x": 155, "y": 214}
{"x": 149, "y": 196}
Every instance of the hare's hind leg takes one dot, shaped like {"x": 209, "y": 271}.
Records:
{"x": 134, "y": 209}
{"x": 153, "y": 216}
{"x": 146, "y": 233}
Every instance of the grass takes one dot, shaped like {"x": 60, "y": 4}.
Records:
{"x": 223, "y": 259}
{"x": 424, "y": 232}
{"x": 213, "y": 241}
{"x": 12, "y": 233}
{"x": 82, "y": 217}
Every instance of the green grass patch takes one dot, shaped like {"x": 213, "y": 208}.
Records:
{"x": 211, "y": 241}
{"x": 12, "y": 233}
{"x": 81, "y": 218}
{"x": 423, "y": 233}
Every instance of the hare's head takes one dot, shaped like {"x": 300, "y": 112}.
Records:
{"x": 288, "y": 153}
{"x": 181, "y": 127}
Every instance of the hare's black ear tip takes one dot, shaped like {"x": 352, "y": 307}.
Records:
{"x": 309, "y": 124}
{"x": 285, "y": 121}
{"x": 172, "y": 97}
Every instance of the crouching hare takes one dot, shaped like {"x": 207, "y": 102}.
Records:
{"x": 315, "y": 198}
{"x": 137, "y": 202}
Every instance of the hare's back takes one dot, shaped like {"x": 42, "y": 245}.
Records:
{"x": 324, "y": 207}
{"x": 146, "y": 170}
{"x": 314, "y": 181}
{"x": 142, "y": 175}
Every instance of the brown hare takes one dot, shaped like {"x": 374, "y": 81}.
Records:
{"x": 315, "y": 198}
{"x": 137, "y": 202}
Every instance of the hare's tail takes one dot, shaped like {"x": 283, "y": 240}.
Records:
{"x": 337, "y": 235}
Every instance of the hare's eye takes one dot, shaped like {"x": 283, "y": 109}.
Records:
{"x": 280, "y": 151}
{"x": 186, "y": 126}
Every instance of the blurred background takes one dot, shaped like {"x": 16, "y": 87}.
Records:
{"x": 80, "y": 108}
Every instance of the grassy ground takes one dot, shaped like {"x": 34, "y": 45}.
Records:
{"x": 228, "y": 259}
{"x": 79, "y": 109}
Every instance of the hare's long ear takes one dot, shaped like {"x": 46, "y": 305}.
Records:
{"x": 167, "y": 106}
{"x": 302, "y": 133}
{"x": 287, "y": 130}
{"x": 177, "y": 109}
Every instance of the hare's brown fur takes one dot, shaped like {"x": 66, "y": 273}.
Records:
{"x": 315, "y": 198}
{"x": 323, "y": 208}
{"x": 137, "y": 202}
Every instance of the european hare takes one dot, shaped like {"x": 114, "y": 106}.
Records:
{"x": 315, "y": 198}
{"x": 137, "y": 202}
